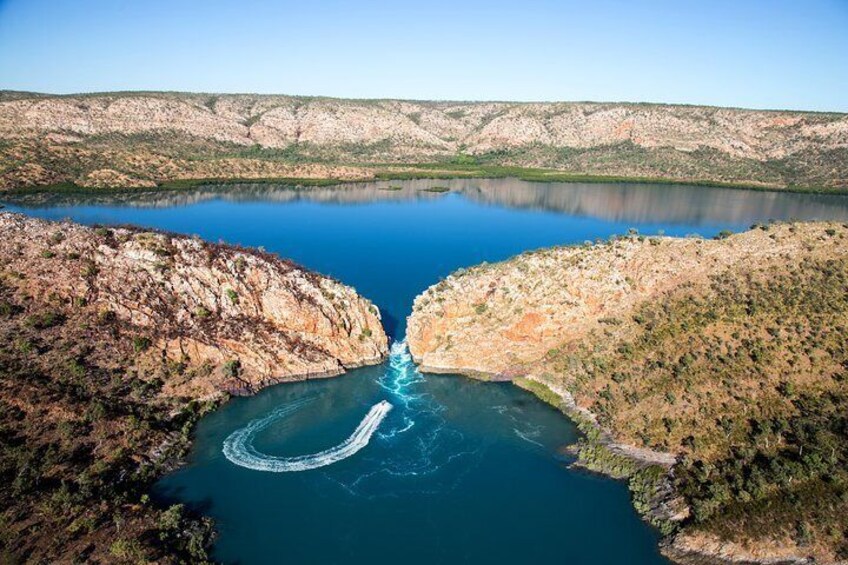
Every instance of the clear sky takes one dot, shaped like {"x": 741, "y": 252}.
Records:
{"x": 750, "y": 53}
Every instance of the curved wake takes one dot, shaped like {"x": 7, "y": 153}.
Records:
{"x": 238, "y": 447}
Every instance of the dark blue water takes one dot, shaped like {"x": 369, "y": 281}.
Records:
{"x": 459, "y": 471}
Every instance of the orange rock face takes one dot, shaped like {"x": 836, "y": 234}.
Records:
{"x": 503, "y": 318}
{"x": 199, "y": 303}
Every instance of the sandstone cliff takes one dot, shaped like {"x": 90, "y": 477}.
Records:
{"x": 724, "y": 360}
{"x": 113, "y": 342}
{"x": 197, "y": 302}
{"x": 141, "y": 139}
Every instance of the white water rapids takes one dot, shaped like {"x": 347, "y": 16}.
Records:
{"x": 238, "y": 447}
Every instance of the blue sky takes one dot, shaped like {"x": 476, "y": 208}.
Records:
{"x": 749, "y": 53}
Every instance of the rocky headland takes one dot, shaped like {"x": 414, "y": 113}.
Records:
{"x": 148, "y": 139}
{"x": 114, "y": 342}
{"x": 710, "y": 373}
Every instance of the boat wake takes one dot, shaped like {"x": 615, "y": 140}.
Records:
{"x": 432, "y": 446}
{"x": 238, "y": 447}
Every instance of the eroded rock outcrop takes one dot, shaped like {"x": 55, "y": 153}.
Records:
{"x": 255, "y": 317}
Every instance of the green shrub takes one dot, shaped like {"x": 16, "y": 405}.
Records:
{"x": 169, "y": 521}
{"x": 82, "y": 525}
{"x": 76, "y": 368}
{"x": 89, "y": 269}
{"x": 96, "y": 411}
{"x": 232, "y": 368}
{"x": 141, "y": 344}
{"x": 7, "y": 309}
{"x": 786, "y": 389}
{"x": 540, "y": 390}
{"x": 129, "y": 549}
{"x": 44, "y": 320}
{"x": 106, "y": 317}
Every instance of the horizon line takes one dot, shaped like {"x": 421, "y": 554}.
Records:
{"x": 412, "y": 100}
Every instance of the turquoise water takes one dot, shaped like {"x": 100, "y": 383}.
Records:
{"x": 456, "y": 471}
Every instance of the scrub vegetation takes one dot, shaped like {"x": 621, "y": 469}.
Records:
{"x": 83, "y": 438}
{"x": 749, "y": 382}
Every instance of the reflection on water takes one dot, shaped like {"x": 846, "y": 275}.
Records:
{"x": 619, "y": 202}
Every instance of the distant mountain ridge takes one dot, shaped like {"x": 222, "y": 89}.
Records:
{"x": 145, "y": 139}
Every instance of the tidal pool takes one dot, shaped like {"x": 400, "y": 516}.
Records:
{"x": 457, "y": 470}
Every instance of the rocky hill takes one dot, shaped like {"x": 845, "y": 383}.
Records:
{"x": 112, "y": 343}
{"x": 713, "y": 373}
{"x": 145, "y": 139}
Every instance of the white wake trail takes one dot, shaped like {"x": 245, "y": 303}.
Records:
{"x": 238, "y": 447}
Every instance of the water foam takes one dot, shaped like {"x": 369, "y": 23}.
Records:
{"x": 238, "y": 447}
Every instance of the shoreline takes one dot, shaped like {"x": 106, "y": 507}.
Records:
{"x": 617, "y": 461}
{"x": 421, "y": 171}
{"x": 301, "y": 377}
{"x": 648, "y": 474}
{"x": 563, "y": 401}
